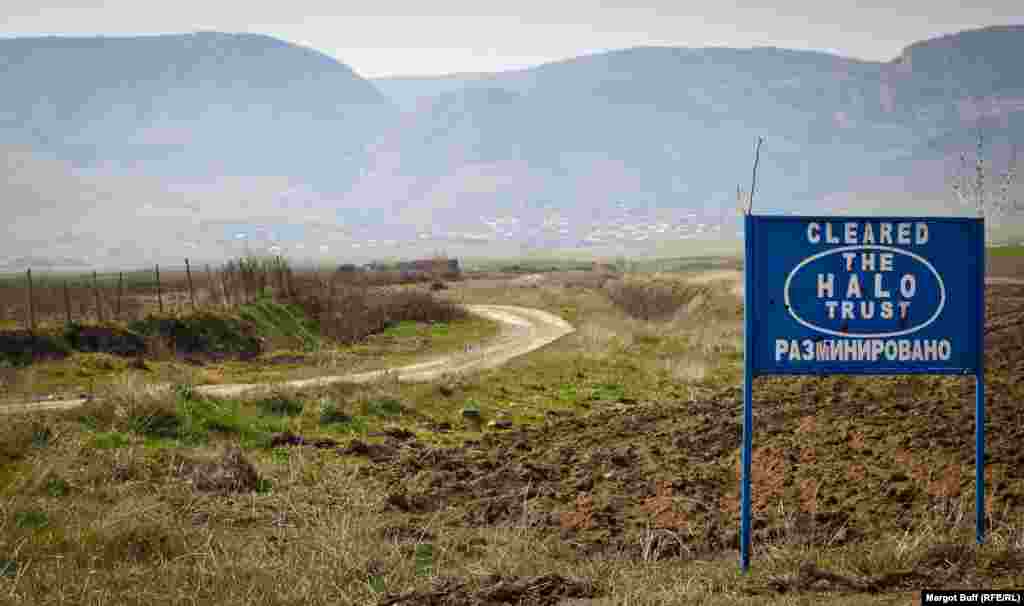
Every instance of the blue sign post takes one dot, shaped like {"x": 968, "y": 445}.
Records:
{"x": 866, "y": 296}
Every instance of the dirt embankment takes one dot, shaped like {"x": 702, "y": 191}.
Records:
{"x": 203, "y": 336}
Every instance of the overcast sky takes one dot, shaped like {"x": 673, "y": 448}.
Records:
{"x": 395, "y": 37}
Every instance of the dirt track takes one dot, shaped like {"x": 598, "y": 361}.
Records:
{"x": 523, "y": 330}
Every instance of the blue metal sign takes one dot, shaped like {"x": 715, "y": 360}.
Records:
{"x": 863, "y": 295}
{"x": 838, "y": 295}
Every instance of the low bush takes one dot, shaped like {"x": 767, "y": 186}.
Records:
{"x": 203, "y": 333}
{"x": 382, "y": 407}
{"x": 280, "y": 405}
{"x": 647, "y": 300}
{"x": 348, "y": 313}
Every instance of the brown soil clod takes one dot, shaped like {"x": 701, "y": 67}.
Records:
{"x": 811, "y": 578}
{"x": 290, "y": 439}
{"x": 375, "y": 452}
{"x": 544, "y": 590}
{"x": 401, "y": 501}
{"x": 396, "y": 433}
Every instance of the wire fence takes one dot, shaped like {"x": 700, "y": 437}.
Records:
{"x": 35, "y": 299}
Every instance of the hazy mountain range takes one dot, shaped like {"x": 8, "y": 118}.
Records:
{"x": 134, "y": 149}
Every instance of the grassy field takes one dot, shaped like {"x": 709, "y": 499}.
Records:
{"x": 1006, "y": 261}
{"x": 601, "y": 469}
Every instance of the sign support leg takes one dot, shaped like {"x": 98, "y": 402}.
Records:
{"x": 979, "y": 457}
{"x": 748, "y": 384}
{"x": 745, "y": 496}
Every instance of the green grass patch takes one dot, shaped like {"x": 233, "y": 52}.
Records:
{"x": 280, "y": 456}
{"x": 1006, "y": 251}
{"x": 8, "y": 568}
{"x": 405, "y": 328}
{"x": 471, "y": 408}
{"x": 355, "y": 425}
{"x": 231, "y": 417}
{"x": 31, "y": 519}
{"x": 154, "y": 443}
{"x": 57, "y": 487}
{"x": 278, "y": 320}
{"x": 568, "y": 393}
{"x": 192, "y": 420}
{"x": 110, "y": 440}
{"x": 280, "y": 405}
{"x": 331, "y": 413}
{"x": 608, "y": 391}
{"x": 409, "y": 328}
{"x": 423, "y": 559}
{"x": 382, "y": 407}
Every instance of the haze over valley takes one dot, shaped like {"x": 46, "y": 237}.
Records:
{"x": 136, "y": 149}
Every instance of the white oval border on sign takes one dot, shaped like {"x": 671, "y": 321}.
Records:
{"x": 942, "y": 291}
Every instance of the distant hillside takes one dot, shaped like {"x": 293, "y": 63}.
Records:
{"x": 185, "y": 105}
{"x": 674, "y": 127}
{"x": 180, "y": 144}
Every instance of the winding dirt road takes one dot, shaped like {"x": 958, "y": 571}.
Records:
{"x": 523, "y": 330}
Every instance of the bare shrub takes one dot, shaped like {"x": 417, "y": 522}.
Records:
{"x": 648, "y": 300}
{"x": 349, "y": 311}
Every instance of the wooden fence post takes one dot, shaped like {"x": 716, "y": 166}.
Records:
{"x": 281, "y": 277}
{"x": 225, "y": 287}
{"x": 159, "y": 295}
{"x": 67, "y": 303}
{"x": 330, "y": 301}
{"x": 191, "y": 292}
{"x": 210, "y": 284}
{"x": 120, "y": 290}
{"x": 329, "y": 293}
{"x": 31, "y": 303}
{"x": 96, "y": 295}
